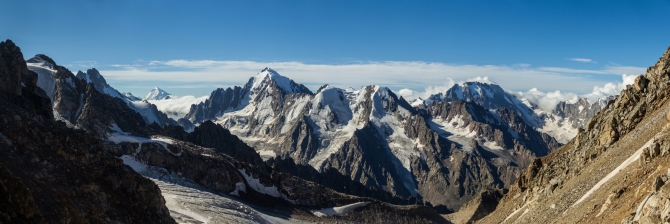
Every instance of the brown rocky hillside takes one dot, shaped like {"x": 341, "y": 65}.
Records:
{"x": 614, "y": 171}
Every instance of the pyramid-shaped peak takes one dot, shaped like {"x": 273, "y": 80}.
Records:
{"x": 267, "y": 75}
{"x": 158, "y": 94}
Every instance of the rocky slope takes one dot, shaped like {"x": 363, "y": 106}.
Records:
{"x": 614, "y": 171}
{"x": 69, "y": 93}
{"x": 377, "y": 139}
{"x": 51, "y": 173}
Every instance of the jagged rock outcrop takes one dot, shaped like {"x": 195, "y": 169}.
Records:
{"x": 100, "y": 113}
{"x": 66, "y": 172}
{"x": 605, "y": 173}
{"x": 69, "y": 93}
{"x": 12, "y": 68}
{"x": 87, "y": 101}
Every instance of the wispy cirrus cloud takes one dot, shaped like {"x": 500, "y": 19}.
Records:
{"x": 584, "y": 60}
{"x": 81, "y": 65}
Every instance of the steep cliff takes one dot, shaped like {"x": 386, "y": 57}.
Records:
{"x": 52, "y": 173}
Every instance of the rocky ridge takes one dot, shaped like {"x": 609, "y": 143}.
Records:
{"x": 51, "y": 173}
{"x": 69, "y": 94}
{"x": 610, "y": 172}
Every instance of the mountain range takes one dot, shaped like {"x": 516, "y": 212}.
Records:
{"x": 274, "y": 145}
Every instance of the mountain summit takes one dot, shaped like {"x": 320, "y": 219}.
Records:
{"x": 264, "y": 78}
{"x": 158, "y": 94}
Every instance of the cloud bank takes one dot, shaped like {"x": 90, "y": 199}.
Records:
{"x": 409, "y": 78}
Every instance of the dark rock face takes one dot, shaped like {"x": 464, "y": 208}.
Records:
{"x": 220, "y": 100}
{"x": 214, "y": 136}
{"x": 149, "y": 112}
{"x": 335, "y": 180}
{"x": 93, "y": 76}
{"x": 12, "y": 68}
{"x": 69, "y": 93}
{"x": 69, "y": 175}
{"x": 100, "y": 112}
{"x": 365, "y": 159}
{"x": 18, "y": 205}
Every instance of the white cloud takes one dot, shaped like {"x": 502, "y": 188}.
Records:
{"x": 547, "y": 101}
{"x": 416, "y": 78}
{"x": 611, "y": 88}
{"x": 409, "y": 94}
{"x": 484, "y": 79}
{"x": 585, "y": 60}
{"x": 179, "y": 105}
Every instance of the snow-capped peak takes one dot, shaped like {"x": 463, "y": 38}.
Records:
{"x": 41, "y": 60}
{"x": 158, "y": 94}
{"x": 261, "y": 79}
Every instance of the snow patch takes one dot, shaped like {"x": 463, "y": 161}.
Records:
{"x": 118, "y": 137}
{"x": 616, "y": 171}
{"x": 267, "y": 154}
{"x": 239, "y": 186}
{"x": 341, "y": 210}
{"x": 256, "y": 184}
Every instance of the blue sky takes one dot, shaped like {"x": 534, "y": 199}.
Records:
{"x": 193, "y": 47}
